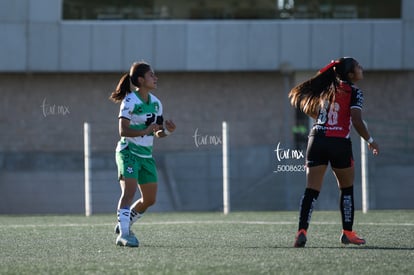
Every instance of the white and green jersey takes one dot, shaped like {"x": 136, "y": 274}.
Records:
{"x": 141, "y": 114}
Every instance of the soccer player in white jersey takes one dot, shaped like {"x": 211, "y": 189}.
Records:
{"x": 140, "y": 119}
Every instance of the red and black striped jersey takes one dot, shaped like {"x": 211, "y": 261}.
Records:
{"x": 334, "y": 118}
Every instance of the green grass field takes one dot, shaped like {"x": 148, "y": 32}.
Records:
{"x": 207, "y": 243}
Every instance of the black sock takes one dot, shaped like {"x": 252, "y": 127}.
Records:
{"x": 306, "y": 207}
{"x": 347, "y": 207}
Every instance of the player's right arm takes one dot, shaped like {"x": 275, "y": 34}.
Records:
{"x": 125, "y": 116}
{"x": 126, "y": 131}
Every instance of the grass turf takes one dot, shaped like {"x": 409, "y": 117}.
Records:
{"x": 207, "y": 243}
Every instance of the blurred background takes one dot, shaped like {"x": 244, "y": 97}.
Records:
{"x": 227, "y": 60}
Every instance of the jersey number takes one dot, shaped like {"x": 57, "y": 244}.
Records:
{"x": 331, "y": 117}
{"x": 333, "y": 114}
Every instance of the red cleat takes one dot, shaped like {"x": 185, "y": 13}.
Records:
{"x": 348, "y": 237}
{"x": 300, "y": 240}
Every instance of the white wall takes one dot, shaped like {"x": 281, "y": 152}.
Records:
{"x": 34, "y": 38}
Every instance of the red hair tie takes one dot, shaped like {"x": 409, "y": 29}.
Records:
{"x": 329, "y": 66}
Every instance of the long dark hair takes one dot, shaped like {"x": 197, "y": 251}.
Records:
{"x": 138, "y": 69}
{"x": 307, "y": 95}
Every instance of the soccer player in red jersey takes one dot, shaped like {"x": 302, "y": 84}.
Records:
{"x": 335, "y": 103}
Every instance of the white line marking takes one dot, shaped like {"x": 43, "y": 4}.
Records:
{"x": 197, "y": 222}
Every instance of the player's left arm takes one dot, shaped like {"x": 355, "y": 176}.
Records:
{"x": 358, "y": 123}
{"x": 361, "y": 128}
{"x": 357, "y": 101}
{"x": 167, "y": 129}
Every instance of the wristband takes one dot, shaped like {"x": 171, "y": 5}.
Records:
{"x": 166, "y": 132}
{"x": 370, "y": 140}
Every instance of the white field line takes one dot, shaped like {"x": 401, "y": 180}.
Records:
{"x": 195, "y": 223}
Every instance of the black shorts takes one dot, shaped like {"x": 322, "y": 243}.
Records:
{"x": 324, "y": 150}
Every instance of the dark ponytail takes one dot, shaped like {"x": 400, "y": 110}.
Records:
{"x": 122, "y": 89}
{"x": 307, "y": 95}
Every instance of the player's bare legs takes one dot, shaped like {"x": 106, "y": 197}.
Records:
{"x": 344, "y": 177}
{"x": 314, "y": 177}
{"x": 148, "y": 197}
{"x": 128, "y": 189}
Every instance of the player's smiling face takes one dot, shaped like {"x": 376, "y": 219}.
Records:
{"x": 150, "y": 80}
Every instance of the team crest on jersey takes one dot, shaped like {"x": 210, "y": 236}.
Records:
{"x": 156, "y": 107}
{"x": 138, "y": 109}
